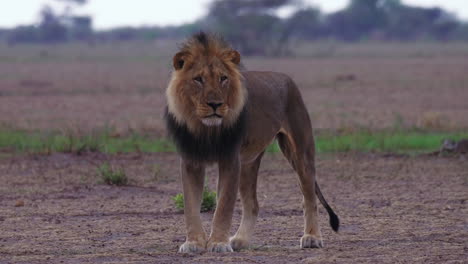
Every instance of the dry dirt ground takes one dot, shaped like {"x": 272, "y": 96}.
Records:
{"x": 393, "y": 209}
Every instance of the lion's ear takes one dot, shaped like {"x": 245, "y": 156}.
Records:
{"x": 179, "y": 60}
{"x": 233, "y": 56}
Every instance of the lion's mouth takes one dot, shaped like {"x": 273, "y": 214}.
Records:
{"x": 212, "y": 120}
{"x": 213, "y": 116}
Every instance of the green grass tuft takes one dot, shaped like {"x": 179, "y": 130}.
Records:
{"x": 208, "y": 201}
{"x": 112, "y": 176}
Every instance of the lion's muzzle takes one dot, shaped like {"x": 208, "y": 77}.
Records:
{"x": 214, "y": 105}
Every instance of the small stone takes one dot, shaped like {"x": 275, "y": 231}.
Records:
{"x": 19, "y": 203}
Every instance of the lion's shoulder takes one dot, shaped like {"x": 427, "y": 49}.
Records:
{"x": 266, "y": 88}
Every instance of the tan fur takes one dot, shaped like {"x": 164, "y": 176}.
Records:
{"x": 188, "y": 106}
{"x": 274, "y": 110}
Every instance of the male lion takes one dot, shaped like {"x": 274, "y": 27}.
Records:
{"x": 217, "y": 113}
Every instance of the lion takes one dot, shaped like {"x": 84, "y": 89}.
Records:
{"x": 218, "y": 113}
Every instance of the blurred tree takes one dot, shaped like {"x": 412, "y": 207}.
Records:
{"x": 391, "y": 19}
{"x": 459, "y": 33}
{"x": 304, "y": 24}
{"x": 51, "y": 30}
{"x": 3, "y": 33}
{"x": 23, "y": 34}
{"x": 409, "y": 23}
{"x": 255, "y": 28}
{"x": 80, "y": 27}
{"x": 70, "y": 5}
{"x": 252, "y": 26}
{"x": 79, "y": 2}
{"x": 359, "y": 19}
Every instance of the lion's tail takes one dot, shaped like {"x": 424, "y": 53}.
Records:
{"x": 334, "y": 220}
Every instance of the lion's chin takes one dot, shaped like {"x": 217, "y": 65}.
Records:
{"x": 212, "y": 121}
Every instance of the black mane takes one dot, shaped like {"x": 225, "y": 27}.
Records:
{"x": 202, "y": 38}
{"x": 217, "y": 142}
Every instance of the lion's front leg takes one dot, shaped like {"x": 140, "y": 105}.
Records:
{"x": 192, "y": 180}
{"x": 228, "y": 183}
{"x": 248, "y": 192}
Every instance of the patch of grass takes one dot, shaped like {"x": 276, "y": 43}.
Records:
{"x": 386, "y": 141}
{"x": 24, "y": 142}
{"x": 382, "y": 141}
{"x": 400, "y": 141}
{"x": 208, "y": 201}
{"x": 112, "y": 176}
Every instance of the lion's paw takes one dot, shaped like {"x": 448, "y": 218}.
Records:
{"x": 219, "y": 247}
{"x": 310, "y": 241}
{"x": 237, "y": 243}
{"x": 192, "y": 247}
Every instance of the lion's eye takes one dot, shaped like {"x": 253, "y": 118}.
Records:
{"x": 198, "y": 79}
{"x": 223, "y": 78}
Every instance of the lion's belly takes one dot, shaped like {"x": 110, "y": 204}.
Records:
{"x": 251, "y": 150}
{"x": 261, "y": 132}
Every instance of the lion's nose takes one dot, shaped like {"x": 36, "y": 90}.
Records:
{"x": 214, "y": 105}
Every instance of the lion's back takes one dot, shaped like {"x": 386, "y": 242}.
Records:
{"x": 267, "y": 89}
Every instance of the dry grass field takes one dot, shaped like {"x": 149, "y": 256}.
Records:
{"x": 121, "y": 87}
{"x": 394, "y": 208}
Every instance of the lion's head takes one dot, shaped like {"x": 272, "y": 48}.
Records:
{"x": 206, "y": 88}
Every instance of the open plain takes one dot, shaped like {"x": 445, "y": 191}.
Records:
{"x": 394, "y": 208}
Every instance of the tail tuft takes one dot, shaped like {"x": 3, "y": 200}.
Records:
{"x": 334, "y": 221}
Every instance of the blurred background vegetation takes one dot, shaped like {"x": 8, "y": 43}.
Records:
{"x": 256, "y": 28}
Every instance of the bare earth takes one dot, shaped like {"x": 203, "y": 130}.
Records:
{"x": 393, "y": 209}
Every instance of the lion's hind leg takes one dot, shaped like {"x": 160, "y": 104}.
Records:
{"x": 248, "y": 192}
{"x": 298, "y": 147}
